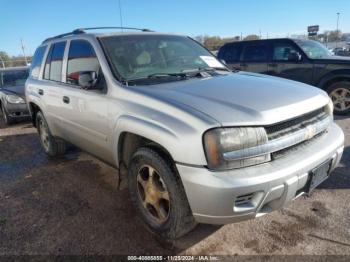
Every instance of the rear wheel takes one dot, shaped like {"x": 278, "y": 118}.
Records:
{"x": 52, "y": 146}
{"x": 339, "y": 92}
{"x": 158, "y": 195}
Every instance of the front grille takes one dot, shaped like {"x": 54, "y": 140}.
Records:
{"x": 290, "y": 126}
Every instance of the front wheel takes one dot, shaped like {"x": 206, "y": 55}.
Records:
{"x": 52, "y": 146}
{"x": 158, "y": 195}
{"x": 6, "y": 117}
{"x": 339, "y": 92}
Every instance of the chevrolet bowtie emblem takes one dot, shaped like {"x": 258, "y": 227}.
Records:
{"x": 310, "y": 132}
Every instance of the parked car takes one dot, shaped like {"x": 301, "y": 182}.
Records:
{"x": 195, "y": 141}
{"x": 306, "y": 61}
{"x": 12, "y": 97}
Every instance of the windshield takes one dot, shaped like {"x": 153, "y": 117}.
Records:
{"x": 141, "y": 56}
{"x": 314, "y": 49}
{"x": 13, "y": 77}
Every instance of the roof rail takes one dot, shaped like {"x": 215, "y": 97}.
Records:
{"x": 82, "y": 31}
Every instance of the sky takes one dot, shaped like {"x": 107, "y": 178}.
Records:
{"x": 35, "y": 20}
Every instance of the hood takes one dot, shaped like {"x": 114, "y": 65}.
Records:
{"x": 16, "y": 90}
{"x": 334, "y": 60}
{"x": 242, "y": 98}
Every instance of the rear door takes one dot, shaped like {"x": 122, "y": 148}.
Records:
{"x": 288, "y": 61}
{"x": 50, "y": 91}
{"x": 255, "y": 57}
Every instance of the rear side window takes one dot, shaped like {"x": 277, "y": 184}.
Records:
{"x": 81, "y": 58}
{"x": 53, "y": 66}
{"x": 230, "y": 53}
{"x": 255, "y": 53}
{"x": 36, "y": 61}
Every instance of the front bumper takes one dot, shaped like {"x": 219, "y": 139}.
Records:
{"x": 17, "y": 110}
{"x": 240, "y": 194}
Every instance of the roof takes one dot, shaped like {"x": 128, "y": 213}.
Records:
{"x": 81, "y": 31}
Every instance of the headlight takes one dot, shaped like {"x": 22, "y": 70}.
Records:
{"x": 220, "y": 142}
{"x": 14, "y": 99}
{"x": 330, "y": 107}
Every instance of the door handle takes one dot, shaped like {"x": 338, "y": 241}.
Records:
{"x": 41, "y": 92}
{"x": 66, "y": 99}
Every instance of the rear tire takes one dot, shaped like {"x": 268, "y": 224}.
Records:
{"x": 159, "y": 198}
{"x": 52, "y": 146}
{"x": 339, "y": 92}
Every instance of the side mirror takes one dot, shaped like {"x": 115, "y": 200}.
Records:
{"x": 223, "y": 61}
{"x": 294, "y": 57}
{"x": 88, "y": 80}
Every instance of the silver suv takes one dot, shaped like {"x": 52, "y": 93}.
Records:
{"x": 196, "y": 142}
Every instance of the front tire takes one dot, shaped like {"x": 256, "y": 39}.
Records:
{"x": 339, "y": 92}
{"x": 52, "y": 146}
{"x": 158, "y": 195}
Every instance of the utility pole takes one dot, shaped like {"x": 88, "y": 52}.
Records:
{"x": 120, "y": 15}
{"x": 336, "y": 42}
{"x": 260, "y": 33}
{"x": 24, "y": 54}
{"x": 241, "y": 36}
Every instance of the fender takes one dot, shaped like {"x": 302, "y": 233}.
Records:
{"x": 161, "y": 135}
{"x": 342, "y": 73}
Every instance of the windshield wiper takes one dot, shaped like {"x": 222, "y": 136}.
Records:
{"x": 159, "y": 75}
{"x": 204, "y": 69}
{"x": 155, "y": 76}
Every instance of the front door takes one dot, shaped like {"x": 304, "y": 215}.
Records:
{"x": 288, "y": 61}
{"x": 84, "y": 112}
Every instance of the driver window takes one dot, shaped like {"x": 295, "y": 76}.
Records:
{"x": 81, "y": 58}
{"x": 284, "y": 52}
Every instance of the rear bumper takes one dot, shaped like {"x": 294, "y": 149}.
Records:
{"x": 217, "y": 197}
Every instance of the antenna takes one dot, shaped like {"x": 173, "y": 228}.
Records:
{"x": 120, "y": 15}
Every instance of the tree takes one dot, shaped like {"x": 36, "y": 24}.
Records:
{"x": 332, "y": 36}
{"x": 252, "y": 37}
{"x": 4, "y": 59}
{"x": 7, "y": 61}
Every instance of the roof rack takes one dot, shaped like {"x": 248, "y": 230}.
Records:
{"x": 82, "y": 31}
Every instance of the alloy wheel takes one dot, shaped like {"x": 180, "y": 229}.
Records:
{"x": 153, "y": 193}
{"x": 341, "y": 99}
{"x": 44, "y": 134}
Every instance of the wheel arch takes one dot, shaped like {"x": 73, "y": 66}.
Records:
{"x": 336, "y": 76}
{"x": 34, "y": 109}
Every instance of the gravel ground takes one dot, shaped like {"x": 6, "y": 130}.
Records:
{"x": 73, "y": 205}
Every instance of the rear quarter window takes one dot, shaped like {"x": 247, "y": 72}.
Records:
{"x": 37, "y": 61}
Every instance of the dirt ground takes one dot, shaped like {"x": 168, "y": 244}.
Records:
{"x": 72, "y": 205}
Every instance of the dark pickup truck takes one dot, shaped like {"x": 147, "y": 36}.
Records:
{"x": 306, "y": 61}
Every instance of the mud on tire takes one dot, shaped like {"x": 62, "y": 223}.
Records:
{"x": 179, "y": 220}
